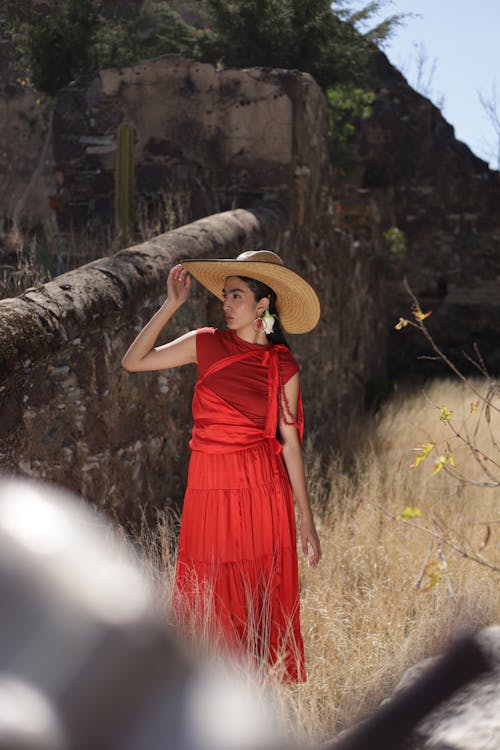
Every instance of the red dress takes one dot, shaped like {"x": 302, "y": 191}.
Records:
{"x": 237, "y": 565}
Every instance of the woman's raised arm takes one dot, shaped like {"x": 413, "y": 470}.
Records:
{"x": 142, "y": 354}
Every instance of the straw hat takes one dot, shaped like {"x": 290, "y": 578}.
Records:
{"x": 296, "y": 301}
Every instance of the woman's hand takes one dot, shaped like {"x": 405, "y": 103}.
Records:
{"x": 178, "y": 285}
{"x": 309, "y": 536}
{"x": 142, "y": 355}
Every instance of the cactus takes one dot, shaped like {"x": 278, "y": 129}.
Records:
{"x": 124, "y": 183}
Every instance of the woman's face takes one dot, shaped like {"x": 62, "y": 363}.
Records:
{"x": 240, "y": 306}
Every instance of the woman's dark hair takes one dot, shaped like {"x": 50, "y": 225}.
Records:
{"x": 261, "y": 290}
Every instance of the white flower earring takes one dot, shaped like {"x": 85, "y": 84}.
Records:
{"x": 268, "y": 320}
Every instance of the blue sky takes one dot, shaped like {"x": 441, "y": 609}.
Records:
{"x": 462, "y": 39}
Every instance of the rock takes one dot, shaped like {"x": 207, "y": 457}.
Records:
{"x": 470, "y": 719}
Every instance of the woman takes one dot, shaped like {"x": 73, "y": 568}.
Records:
{"x": 237, "y": 564}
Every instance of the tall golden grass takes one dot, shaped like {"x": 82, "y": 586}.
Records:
{"x": 387, "y": 593}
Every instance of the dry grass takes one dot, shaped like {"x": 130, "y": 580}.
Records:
{"x": 29, "y": 258}
{"x": 370, "y": 610}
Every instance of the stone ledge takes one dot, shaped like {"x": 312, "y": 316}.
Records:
{"x": 43, "y": 318}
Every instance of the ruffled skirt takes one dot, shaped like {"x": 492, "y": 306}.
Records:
{"x": 237, "y": 570}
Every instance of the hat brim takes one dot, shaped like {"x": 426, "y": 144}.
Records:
{"x": 296, "y": 301}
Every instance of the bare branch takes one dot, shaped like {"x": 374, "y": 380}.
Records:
{"x": 453, "y": 472}
{"x": 473, "y": 557}
{"x": 423, "y": 328}
{"x": 491, "y": 108}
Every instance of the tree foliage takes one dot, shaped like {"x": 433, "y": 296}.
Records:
{"x": 75, "y": 39}
{"x": 347, "y": 105}
{"x": 318, "y": 37}
{"x": 156, "y": 30}
{"x": 55, "y": 47}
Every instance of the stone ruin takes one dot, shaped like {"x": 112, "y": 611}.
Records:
{"x": 408, "y": 171}
{"x": 224, "y": 140}
{"x": 254, "y": 142}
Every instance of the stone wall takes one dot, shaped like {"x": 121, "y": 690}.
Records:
{"x": 68, "y": 412}
{"x": 220, "y": 138}
{"x": 26, "y": 167}
{"x": 408, "y": 171}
